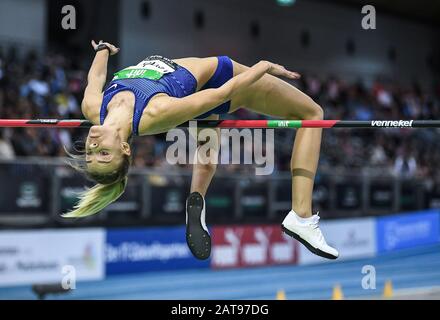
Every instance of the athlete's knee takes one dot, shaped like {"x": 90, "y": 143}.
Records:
{"x": 312, "y": 111}
{"x": 315, "y": 112}
{"x": 309, "y": 111}
{"x": 208, "y": 168}
{"x": 207, "y": 156}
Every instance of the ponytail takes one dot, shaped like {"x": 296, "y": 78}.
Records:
{"x": 97, "y": 198}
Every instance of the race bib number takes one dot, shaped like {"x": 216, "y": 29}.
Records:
{"x": 149, "y": 69}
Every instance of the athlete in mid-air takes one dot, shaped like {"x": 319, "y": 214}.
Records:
{"x": 157, "y": 95}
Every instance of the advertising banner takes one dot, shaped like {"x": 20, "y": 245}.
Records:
{"x": 248, "y": 246}
{"x": 24, "y": 192}
{"x": 45, "y": 256}
{"x": 149, "y": 249}
{"x": 407, "y": 230}
{"x": 381, "y": 195}
{"x": 348, "y": 196}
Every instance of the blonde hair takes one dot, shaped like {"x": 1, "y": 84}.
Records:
{"x": 109, "y": 188}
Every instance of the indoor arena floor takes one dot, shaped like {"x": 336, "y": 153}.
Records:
{"x": 414, "y": 274}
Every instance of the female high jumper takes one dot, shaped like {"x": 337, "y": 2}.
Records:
{"x": 157, "y": 95}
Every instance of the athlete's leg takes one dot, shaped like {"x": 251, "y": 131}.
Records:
{"x": 275, "y": 97}
{"x": 204, "y": 172}
{"x": 197, "y": 234}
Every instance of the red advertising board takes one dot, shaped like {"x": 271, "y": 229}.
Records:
{"x": 249, "y": 246}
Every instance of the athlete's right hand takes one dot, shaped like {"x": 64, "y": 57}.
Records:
{"x": 113, "y": 49}
{"x": 279, "y": 71}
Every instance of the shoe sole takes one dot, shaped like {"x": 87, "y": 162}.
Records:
{"x": 198, "y": 240}
{"x": 314, "y": 250}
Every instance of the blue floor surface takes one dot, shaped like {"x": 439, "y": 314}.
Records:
{"x": 412, "y": 268}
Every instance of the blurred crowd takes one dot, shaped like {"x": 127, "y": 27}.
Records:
{"x": 34, "y": 87}
{"x": 52, "y": 86}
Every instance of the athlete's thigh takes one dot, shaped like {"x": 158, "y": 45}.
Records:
{"x": 275, "y": 97}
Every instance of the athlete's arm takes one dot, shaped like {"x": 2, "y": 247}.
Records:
{"x": 96, "y": 79}
{"x": 245, "y": 79}
{"x": 168, "y": 112}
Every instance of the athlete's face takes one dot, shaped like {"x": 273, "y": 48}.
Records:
{"x": 104, "y": 149}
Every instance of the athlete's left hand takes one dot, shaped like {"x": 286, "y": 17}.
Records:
{"x": 281, "y": 71}
{"x": 112, "y": 49}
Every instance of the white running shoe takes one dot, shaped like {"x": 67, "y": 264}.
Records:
{"x": 306, "y": 231}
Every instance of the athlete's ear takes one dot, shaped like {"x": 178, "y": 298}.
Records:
{"x": 126, "y": 148}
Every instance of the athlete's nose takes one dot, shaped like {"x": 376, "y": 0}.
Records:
{"x": 94, "y": 132}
